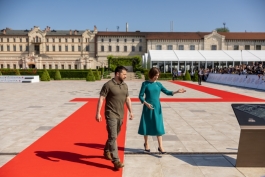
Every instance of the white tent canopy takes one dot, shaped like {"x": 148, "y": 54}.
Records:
{"x": 162, "y": 55}
{"x": 206, "y": 55}
{"x": 258, "y": 53}
{"x": 186, "y": 55}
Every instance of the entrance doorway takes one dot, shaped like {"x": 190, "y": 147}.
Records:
{"x": 31, "y": 66}
{"x": 36, "y": 49}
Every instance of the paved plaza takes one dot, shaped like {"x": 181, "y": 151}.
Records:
{"x": 201, "y": 138}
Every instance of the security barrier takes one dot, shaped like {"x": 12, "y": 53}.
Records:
{"x": 248, "y": 81}
{"x": 20, "y": 79}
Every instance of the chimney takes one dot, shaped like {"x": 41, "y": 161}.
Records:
{"x": 75, "y": 32}
{"x": 4, "y": 31}
{"x": 126, "y": 27}
{"x": 47, "y": 29}
{"x": 70, "y": 32}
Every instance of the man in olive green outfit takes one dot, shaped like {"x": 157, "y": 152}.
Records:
{"x": 115, "y": 91}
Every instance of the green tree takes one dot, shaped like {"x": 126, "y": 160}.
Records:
{"x": 195, "y": 76}
{"x": 97, "y": 76}
{"x": 57, "y": 75}
{"x": 187, "y": 76}
{"x": 90, "y": 76}
{"x": 222, "y": 29}
{"x": 45, "y": 76}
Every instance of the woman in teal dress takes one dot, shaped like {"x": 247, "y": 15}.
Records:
{"x": 152, "y": 119}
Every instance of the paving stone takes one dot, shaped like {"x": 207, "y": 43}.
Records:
{"x": 44, "y": 128}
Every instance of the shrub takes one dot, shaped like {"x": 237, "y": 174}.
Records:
{"x": 195, "y": 77}
{"x": 102, "y": 71}
{"x": 29, "y": 71}
{"x": 45, "y": 76}
{"x": 57, "y": 75}
{"x": 90, "y": 76}
{"x": 138, "y": 74}
{"x": 97, "y": 76}
{"x": 187, "y": 76}
{"x": 17, "y": 72}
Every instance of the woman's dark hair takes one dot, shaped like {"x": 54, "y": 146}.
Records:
{"x": 119, "y": 69}
{"x": 153, "y": 72}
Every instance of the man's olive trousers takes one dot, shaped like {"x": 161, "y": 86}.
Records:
{"x": 113, "y": 128}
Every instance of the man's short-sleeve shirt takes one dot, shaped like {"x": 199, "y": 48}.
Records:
{"x": 115, "y": 95}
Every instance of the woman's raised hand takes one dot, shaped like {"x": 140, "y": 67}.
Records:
{"x": 181, "y": 90}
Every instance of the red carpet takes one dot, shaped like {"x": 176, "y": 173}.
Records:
{"x": 224, "y": 96}
{"x": 71, "y": 149}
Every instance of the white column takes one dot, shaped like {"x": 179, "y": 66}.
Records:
{"x": 226, "y": 64}
{"x": 178, "y": 66}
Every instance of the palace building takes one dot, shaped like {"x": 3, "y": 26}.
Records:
{"x": 83, "y": 49}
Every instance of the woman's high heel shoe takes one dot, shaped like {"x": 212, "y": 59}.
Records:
{"x": 160, "y": 152}
{"x": 147, "y": 150}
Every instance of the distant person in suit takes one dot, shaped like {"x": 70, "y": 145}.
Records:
{"x": 200, "y": 75}
{"x": 174, "y": 74}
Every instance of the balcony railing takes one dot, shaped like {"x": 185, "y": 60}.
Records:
{"x": 36, "y": 41}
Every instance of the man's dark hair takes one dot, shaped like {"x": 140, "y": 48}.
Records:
{"x": 153, "y": 71}
{"x": 119, "y": 69}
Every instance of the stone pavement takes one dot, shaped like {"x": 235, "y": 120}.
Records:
{"x": 202, "y": 138}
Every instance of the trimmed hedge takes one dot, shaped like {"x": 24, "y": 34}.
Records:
{"x": 10, "y": 71}
{"x": 45, "y": 76}
{"x": 17, "y": 72}
{"x": 97, "y": 76}
{"x": 134, "y": 61}
{"x": 195, "y": 77}
{"x": 57, "y": 75}
{"x": 90, "y": 76}
{"x": 65, "y": 73}
{"x": 0, "y": 73}
{"x": 187, "y": 76}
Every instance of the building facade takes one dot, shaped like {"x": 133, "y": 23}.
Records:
{"x": 83, "y": 49}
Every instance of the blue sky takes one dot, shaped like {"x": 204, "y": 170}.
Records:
{"x": 143, "y": 15}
